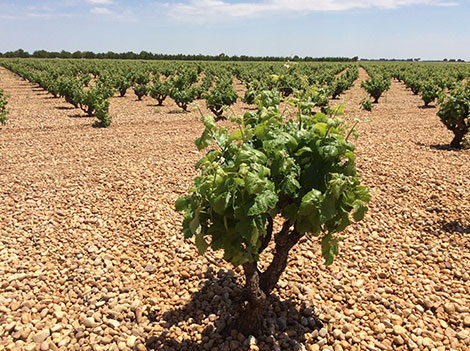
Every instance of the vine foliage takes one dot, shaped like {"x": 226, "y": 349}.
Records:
{"x": 299, "y": 169}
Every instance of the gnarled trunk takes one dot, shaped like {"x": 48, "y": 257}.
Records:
{"x": 258, "y": 286}
{"x": 459, "y": 134}
{"x": 251, "y": 315}
{"x": 285, "y": 240}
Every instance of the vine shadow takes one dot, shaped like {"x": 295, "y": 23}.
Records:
{"x": 250, "y": 108}
{"x": 440, "y": 147}
{"x": 178, "y": 112}
{"x": 215, "y": 306}
{"x": 80, "y": 115}
{"x": 443, "y": 147}
{"x": 455, "y": 227}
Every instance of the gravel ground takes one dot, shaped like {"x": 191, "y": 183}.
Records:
{"x": 91, "y": 255}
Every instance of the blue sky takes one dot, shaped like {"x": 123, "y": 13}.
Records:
{"x": 428, "y": 29}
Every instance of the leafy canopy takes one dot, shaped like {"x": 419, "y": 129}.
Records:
{"x": 301, "y": 169}
{"x": 3, "y": 108}
{"x": 454, "y": 112}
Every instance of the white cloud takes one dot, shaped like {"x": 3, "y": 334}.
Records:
{"x": 100, "y": 11}
{"x": 203, "y": 10}
{"x": 100, "y": 2}
{"x": 9, "y": 17}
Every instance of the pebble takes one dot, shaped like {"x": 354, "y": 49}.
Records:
{"x": 427, "y": 342}
{"x": 359, "y": 314}
{"x": 412, "y": 345}
{"x": 449, "y": 307}
{"x": 131, "y": 341}
{"x": 399, "y": 330}
{"x": 89, "y": 322}
{"x": 113, "y": 323}
{"x": 428, "y": 304}
{"x": 150, "y": 268}
{"x": 106, "y": 340}
{"x": 398, "y": 340}
{"x": 9, "y": 327}
{"x": 282, "y": 323}
{"x": 41, "y": 336}
{"x": 379, "y": 328}
{"x": 337, "y": 298}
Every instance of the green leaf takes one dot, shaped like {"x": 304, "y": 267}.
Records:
{"x": 201, "y": 244}
{"x": 329, "y": 247}
{"x": 303, "y": 150}
{"x": 220, "y": 203}
{"x": 194, "y": 225}
{"x": 236, "y": 119}
{"x": 263, "y": 202}
{"x": 253, "y": 183}
{"x": 359, "y": 210}
{"x": 221, "y": 138}
{"x": 289, "y": 212}
{"x": 182, "y": 203}
{"x": 328, "y": 208}
{"x": 261, "y": 129}
{"x": 310, "y": 202}
{"x": 321, "y": 128}
{"x": 338, "y": 184}
{"x": 236, "y": 135}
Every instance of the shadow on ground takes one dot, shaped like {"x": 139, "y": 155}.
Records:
{"x": 455, "y": 227}
{"x": 444, "y": 147}
{"x": 177, "y": 112}
{"x": 209, "y": 313}
{"x": 80, "y": 115}
{"x": 441, "y": 147}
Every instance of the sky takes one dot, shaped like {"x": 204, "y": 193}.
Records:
{"x": 426, "y": 29}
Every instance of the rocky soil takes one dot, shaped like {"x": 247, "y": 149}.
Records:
{"x": 91, "y": 255}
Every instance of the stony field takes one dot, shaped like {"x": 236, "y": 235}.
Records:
{"x": 91, "y": 255}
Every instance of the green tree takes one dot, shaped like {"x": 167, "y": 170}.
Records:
{"x": 376, "y": 86}
{"x": 454, "y": 112}
{"x": 160, "y": 90}
{"x": 301, "y": 169}
{"x": 3, "y": 108}
{"x": 221, "y": 96}
{"x": 429, "y": 92}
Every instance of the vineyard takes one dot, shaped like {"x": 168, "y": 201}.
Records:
{"x": 168, "y": 205}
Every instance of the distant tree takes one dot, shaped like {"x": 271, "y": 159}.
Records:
{"x": 88, "y": 55}
{"x": 65, "y": 54}
{"x": 77, "y": 55}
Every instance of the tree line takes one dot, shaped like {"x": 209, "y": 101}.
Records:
{"x": 145, "y": 55}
